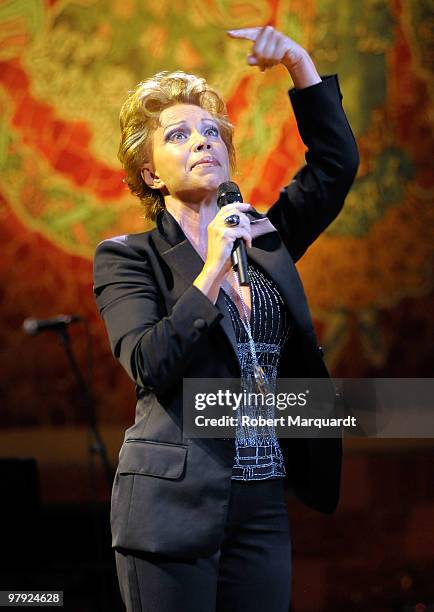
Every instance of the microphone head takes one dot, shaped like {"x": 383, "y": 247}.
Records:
{"x": 227, "y": 193}
{"x": 30, "y": 327}
{"x": 35, "y": 326}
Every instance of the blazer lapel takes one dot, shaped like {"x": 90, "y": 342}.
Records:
{"x": 180, "y": 255}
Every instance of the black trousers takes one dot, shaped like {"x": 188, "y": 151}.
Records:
{"x": 251, "y": 571}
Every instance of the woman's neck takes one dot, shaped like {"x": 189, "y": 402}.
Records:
{"x": 194, "y": 220}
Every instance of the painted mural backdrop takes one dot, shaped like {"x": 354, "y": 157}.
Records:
{"x": 65, "y": 69}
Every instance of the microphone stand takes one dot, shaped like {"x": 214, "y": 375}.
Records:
{"x": 97, "y": 447}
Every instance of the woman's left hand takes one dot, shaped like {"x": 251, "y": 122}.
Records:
{"x": 271, "y": 47}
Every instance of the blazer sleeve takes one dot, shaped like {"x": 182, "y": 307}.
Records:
{"x": 317, "y": 192}
{"x": 153, "y": 347}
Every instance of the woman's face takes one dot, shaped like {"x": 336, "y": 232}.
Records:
{"x": 187, "y": 136}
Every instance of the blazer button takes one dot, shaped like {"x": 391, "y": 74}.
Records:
{"x": 321, "y": 350}
{"x": 199, "y": 324}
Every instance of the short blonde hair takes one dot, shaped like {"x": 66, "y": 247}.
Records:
{"x": 139, "y": 117}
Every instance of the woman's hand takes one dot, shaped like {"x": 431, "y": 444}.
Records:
{"x": 272, "y": 47}
{"x": 221, "y": 240}
{"x": 221, "y": 237}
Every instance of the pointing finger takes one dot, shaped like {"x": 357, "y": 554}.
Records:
{"x": 246, "y": 33}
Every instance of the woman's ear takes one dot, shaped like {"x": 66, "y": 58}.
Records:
{"x": 151, "y": 178}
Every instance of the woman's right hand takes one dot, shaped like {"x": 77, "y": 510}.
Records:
{"x": 221, "y": 237}
{"x": 221, "y": 240}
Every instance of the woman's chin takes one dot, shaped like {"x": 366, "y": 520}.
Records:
{"x": 211, "y": 182}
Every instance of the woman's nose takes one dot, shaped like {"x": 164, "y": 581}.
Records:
{"x": 202, "y": 143}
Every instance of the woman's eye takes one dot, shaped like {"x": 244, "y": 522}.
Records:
{"x": 174, "y": 135}
{"x": 177, "y": 135}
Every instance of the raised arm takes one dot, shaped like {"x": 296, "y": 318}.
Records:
{"x": 317, "y": 192}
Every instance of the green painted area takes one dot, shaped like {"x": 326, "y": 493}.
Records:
{"x": 373, "y": 195}
{"x": 32, "y": 11}
{"x": 352, "y": 39}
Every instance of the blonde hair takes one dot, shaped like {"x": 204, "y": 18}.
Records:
{"x": 139, "y": 117}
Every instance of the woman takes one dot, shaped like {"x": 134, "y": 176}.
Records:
{"x": 200, "y": 524}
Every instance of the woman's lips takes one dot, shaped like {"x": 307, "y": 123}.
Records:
{"x": 206, "y": 164}
{"x": 213, "y": 162}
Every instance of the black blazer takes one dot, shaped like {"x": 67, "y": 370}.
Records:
{"x": 170, "y": 493}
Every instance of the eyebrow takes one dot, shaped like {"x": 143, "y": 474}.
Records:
{"x": 184, "y": 121}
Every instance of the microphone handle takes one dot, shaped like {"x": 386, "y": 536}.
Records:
{"x": 239, "y": 262}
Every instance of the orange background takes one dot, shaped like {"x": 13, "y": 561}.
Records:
{"x": 65, "y": 70}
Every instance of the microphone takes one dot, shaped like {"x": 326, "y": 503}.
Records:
{"x": 228, "y": 193}
{"x": 35, "y": 326}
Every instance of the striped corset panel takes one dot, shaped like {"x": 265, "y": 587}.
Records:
{"x": 257, "y": 451}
